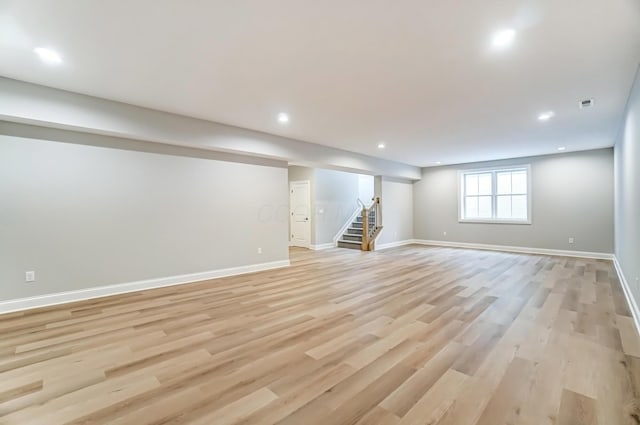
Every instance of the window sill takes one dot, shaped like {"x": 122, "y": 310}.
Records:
{"x": 490, "y": 221}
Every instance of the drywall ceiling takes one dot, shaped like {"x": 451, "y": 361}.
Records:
{"x": 420, "y": 75}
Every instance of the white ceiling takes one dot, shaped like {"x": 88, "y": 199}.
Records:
{"x": 420, "y": 75}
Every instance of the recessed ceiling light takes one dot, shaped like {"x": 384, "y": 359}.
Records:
{"x": 503, "y": 38}
{"x": 381, "y": 145}
{"x": 546, "y": 115}
{"x": 561, "y": 148}
{"x": 283, "y": 117}
{"x": 48, "y": 56}
{"x": 438, "y": 162}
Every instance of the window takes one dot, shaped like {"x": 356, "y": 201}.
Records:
{"x": 499, "y": 195}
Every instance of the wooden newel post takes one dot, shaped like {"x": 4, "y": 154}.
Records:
{"x": 365, "y": 229}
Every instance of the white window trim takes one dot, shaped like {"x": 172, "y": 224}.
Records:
{"x": 461, "y": 173}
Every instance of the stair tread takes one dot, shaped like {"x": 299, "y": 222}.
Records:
{"x": 348, "y": 241}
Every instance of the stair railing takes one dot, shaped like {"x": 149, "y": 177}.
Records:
{"x": 371, "y": 222}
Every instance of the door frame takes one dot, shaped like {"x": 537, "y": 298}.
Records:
{"x": 291, "y": 184}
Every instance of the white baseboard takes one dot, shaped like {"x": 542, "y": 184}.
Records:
{"x": 322, "y": 246}
{"x": 122, "y": 288}
{"x": 394, "y": 244}
{"x": 635, "y": 311}
{"x": 518, "y": 249}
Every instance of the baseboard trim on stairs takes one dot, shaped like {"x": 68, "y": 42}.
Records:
{"x": 123, "y": 288}
{"x": 633, "y": 305}
{"x": 517, "y": 249}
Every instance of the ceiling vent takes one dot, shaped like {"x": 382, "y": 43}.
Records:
{"x": 586, "y": 103}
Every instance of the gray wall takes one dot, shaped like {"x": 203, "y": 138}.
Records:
{"x": 627, "y": 178}
{"x": 397, "y": 211}
{"x": 297, "y": 173}
{"x": 572, "y": 196}
{"x": 83, "y": 216}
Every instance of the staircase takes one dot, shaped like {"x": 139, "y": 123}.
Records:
{"x": 363, "y": 231}
{"x": 352, "y": 237}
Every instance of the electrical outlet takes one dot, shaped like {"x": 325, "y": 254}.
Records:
{"x": 444, "y": 233}
{"x": 570, "y": 240}
{"x": 30, "y": 276}
{"x": 259, "y": 250}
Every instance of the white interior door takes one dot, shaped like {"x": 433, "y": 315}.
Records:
{"x": 300, "y": 204}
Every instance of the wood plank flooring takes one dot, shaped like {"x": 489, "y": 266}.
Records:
{"x": 412, "y": 335}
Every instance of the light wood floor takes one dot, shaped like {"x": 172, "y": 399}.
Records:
{"x": 413, "y": 335}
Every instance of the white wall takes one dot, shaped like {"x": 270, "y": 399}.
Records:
{"x": 85, "y": 216}
{"x": 336, "y": 198}
{"x": 397, "y": 211}
{"x": 572, "y": 196}
{"x": 627, "y": 178}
